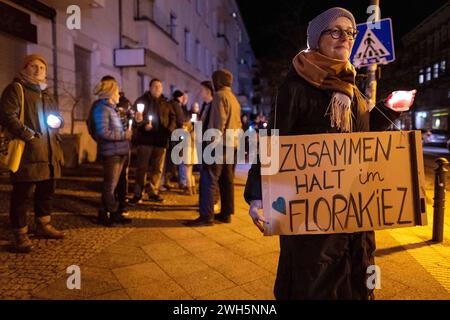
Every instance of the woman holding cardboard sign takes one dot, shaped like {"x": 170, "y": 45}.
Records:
{"x": 320, "y": 96}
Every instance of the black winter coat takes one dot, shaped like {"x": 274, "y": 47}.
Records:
{"x": 42, "y": 157}
{"x": 164, "y": 121}
{"x": 318, "y": 266}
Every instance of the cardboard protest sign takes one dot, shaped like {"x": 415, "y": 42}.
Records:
{"x": 344, "y": 183}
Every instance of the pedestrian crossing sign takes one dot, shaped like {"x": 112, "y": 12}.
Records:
{"x": 374, "y": 44}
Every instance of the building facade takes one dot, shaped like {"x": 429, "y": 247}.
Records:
{"x": 180, "y": 42}
{"x": 423, "y": 61}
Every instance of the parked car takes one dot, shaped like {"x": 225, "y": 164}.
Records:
{"x": 438, "y": 138}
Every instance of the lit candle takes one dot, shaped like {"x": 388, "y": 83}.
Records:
{"x": 140, "y": 107}
{"x": 130, "y": 124}
{"x": 150, "y": 118}
{"x": 194, "y": 117}
{"x": 53, "y": 121}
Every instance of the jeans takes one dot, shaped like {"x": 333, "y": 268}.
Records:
{"x": 170, "y": 171}
{"x": 211, "y": 177}
{"x": 22, "y": 196}
{"x": 149, "y": 158}
{"x": 122, "y": 186}
{"x": 112, "y": 170}
{"x": 186, "y": 177}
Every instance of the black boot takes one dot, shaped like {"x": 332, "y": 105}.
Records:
{"x": 22, "y": 243}
{"x": 117, "y": 217}
{"x": 103, "y": 218}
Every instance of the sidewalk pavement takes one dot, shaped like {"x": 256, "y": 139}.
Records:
{"x": 157, "y": 257}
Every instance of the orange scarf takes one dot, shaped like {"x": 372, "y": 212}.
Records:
{"x": 334, "y": 75}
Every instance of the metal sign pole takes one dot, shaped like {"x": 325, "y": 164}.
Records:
{"x": 371, "y": 87}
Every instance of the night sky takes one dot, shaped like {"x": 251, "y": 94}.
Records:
{"x": 277, "y": 29}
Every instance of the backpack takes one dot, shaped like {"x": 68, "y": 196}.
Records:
{"x": 91, "y": 123}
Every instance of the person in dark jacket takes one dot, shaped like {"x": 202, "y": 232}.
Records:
{"x": 42, "y": 157}
{"x": 154, "y": 128}
{"x": 225, "y": 114}
{"x": 319, "y": 96}
{"x": 170, "y": 171}
{"x": 113, "y": 148}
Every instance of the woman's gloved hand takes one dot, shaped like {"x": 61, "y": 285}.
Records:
{"x": 258, "y": 220}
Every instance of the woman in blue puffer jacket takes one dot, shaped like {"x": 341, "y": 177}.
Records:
{"x": 113, "y": 146}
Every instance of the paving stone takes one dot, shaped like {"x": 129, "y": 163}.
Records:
{"x": 164, "y": 250}
{"x": 261, "y": 289}
{"x": 113, "y": 295}
{"x": 159, "y": 290}
{"x": 199, "y": 244}
{"x": 235, "y": 293}
{"x": 139, "y": 274}
{"x": 217, "y": 257}
{"x": 248, "y": 248}
{"x": 267, "y": 261}
{"x": 204, "y": 282}
{"x": 182, "y": 265}
{"x": 116, "y": 260}
{"x": 242, "y": 272}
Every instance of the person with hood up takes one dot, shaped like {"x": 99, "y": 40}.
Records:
{"x": 225, "y": 114}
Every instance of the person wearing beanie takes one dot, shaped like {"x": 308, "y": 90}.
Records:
{"x": 170, "y": 171}
{"x": 113, "y": 148}
{"x": 225, "y": 115}
{"x": 319, "y": 95}
{"x": 42, "y": 157}
{"x": 206, "y": 93}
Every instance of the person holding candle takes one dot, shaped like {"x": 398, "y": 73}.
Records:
{"x": 42, "y": 157}
{"x": 154, "y": 126}
{"x": 186, "y": 168}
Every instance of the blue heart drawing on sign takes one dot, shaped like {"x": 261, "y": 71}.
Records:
{"x": 280, "y": 205}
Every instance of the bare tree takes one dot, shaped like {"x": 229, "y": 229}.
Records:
{"x": 71, "y": 94}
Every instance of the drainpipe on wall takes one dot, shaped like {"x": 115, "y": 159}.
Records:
{"x": 120, "y": 37}
{"x": 55, "y": 61}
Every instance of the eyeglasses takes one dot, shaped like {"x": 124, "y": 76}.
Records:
{"x": 337, "y": 33}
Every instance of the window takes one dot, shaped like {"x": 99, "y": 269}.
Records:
{"x": 428, "y": 74}
{"x": 144, "y": 82}
{"x": 199, "y": 5}
{"x": 213, "y": 63}
{"x": 197, "y": 54}
{"x": 207, "y": 15}
{"x": 421, "y": 77}
{"x": 207, "y": 64}
{"x": 443, "y": 66}
{"x": 211, "y": 16}
{"x": 187, "y": 45}
{"x": 82, "y": 82}
{"x": 436, "y": 71}
{"x": 172, "y": 24}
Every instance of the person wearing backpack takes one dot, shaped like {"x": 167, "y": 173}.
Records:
{"x": 42, "y": 157}
{"x": 113, "y": 148}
